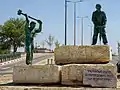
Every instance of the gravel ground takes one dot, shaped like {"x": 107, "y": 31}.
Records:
{"x": 5, "y": 78}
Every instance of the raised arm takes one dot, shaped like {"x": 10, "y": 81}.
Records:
{"x": 40, "y": 27}
{"x": 27, "y": 20}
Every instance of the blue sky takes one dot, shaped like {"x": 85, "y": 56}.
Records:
{"x": 51, "y": 12}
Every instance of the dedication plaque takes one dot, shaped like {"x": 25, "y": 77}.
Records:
{"x": 99, "y": 78}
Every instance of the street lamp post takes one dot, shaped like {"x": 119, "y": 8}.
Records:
{"x": 74, "y": 23}
{"x": 82, "y": 32}
{"x": 65, "y": 22}
{"x": 75, "y": 18}
{"x": 91, "y": 33}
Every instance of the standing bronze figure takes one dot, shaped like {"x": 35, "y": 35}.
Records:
{"x": 99, "y": 20}
{"x": 30, "y": 32}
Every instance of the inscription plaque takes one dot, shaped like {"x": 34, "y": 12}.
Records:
{"x": 99, "y": 78}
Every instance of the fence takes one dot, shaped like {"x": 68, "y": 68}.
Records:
{"x": 8, "y": 57}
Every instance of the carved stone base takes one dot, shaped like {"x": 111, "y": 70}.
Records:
{"x": 94, "y": 54}
{"x": 41, "y": 74}
{"x": 96, "y": 75}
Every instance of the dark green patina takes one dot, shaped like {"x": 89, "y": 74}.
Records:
{"x": 30, "y": 32}
{"x": 99, "y": 20}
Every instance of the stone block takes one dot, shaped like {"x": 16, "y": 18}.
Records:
{"x": 41, "y": 74}
{"x": 94, "y": 54}
{"x": 74, "y": 74}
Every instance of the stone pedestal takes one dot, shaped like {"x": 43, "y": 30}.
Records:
{"x": 41, "y": 74}
{"x": 96, "y": 75}
{"x": 95, "y": 54}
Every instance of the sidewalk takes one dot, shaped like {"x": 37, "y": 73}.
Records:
{"x": 23, "y": 58}
{"x": 12, "y": 61}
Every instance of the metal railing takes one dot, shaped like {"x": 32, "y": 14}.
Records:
{"x": 8, "y": 57}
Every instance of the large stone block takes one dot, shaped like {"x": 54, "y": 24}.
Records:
{"x": 83, "y": 54}
{"x": 77, "y": 74}
{"x": 42, "y": 74}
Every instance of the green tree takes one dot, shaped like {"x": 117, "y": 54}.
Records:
{"x": 12, "y": 33}
{"x": 57, "y": 44}
{"x": 4, "y": 44}
{"x": 50, "y": 41}
{"x": 4, "y": 48}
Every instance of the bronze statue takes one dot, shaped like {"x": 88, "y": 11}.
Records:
{"x": 99, "y": 20}
{"x": 30, "y": 32}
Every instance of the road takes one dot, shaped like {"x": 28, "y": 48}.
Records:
{"x": 8, "y": 68}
